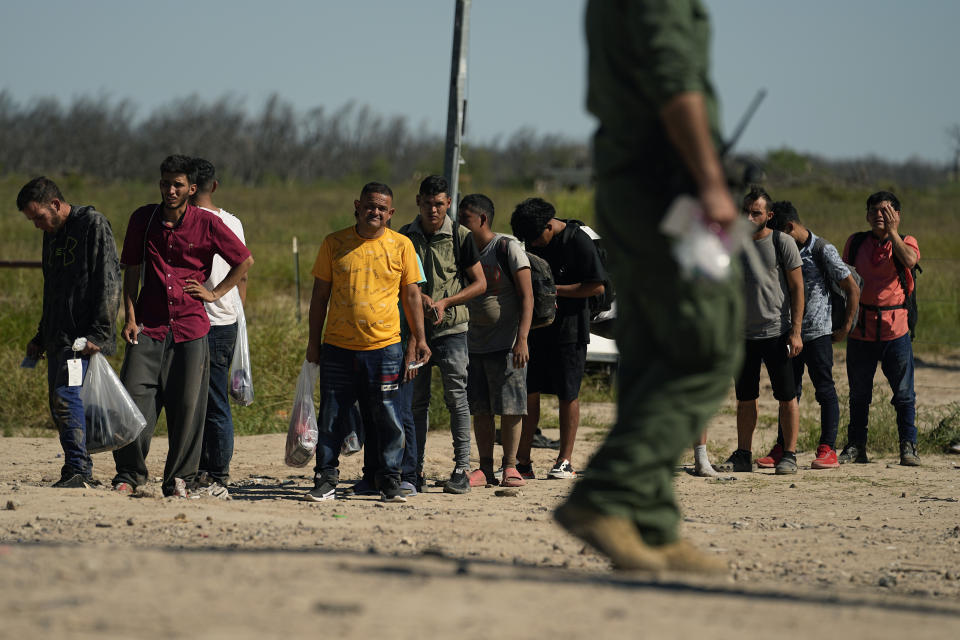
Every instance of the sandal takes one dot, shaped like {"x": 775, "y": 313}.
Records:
{"x": 512, "y": 478}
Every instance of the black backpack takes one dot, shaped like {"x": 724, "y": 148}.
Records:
{"x": 603, "y": 311}
{"x": 541, "y": 279}
{"x": 910, "y": 295}
{"x": 838, "y": 297}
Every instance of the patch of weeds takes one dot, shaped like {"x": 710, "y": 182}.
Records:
{"x": 945, "y": 430}
{"x": 767, "y": 421}
{"x": 937, "y": 427}
{"x": 598, "y": 386}
{"x": 596, "y": 422}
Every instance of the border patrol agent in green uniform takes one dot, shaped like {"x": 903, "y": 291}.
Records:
{"x": 680, "y": 339}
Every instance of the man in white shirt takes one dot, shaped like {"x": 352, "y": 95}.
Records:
{"x": 217, "y": 448}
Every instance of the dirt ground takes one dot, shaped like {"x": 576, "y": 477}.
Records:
{"x": 869, "y": 551}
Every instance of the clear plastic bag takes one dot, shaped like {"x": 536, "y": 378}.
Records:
{"x": 353, "y": 441}
{"x": 241, "y": 382}
{"x": 113, "y": 420}
{"x": 302, "y": 436}
{"x": 351, "y": 444}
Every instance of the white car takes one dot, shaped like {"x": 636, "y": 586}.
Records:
{"x": 602, "y": 350}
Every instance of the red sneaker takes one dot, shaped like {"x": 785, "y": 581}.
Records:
{"x": 770, "y": 460}
{"x": 826, "y": 458}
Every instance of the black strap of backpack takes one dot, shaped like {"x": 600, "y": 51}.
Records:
{"x": 502, "y": 260}
{"x": 819, "y": 251}
{"x": 143, "y": 258}
{"x": 456, "y": 253}
{"x": 777, "y": 252}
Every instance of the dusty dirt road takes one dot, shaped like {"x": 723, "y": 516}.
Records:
{"x": 866, "y": 551}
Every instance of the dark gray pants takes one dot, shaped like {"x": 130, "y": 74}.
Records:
{"x": 163, "y": 374}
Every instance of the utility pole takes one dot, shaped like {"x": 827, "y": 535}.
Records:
{"x": 457, "y": 104}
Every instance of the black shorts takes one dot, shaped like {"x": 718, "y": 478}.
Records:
{"x": 555, "y": 368}
{"x": 773, "y": 353}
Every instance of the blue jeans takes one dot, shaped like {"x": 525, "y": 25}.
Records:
{"x": 451, "y": 357}
{"x": 371, "y": 448}
{"x": 67, "y": 411}
{"x": 371, "y": 379}
{"x": 817, "y": 356}
{"x": 217, "y": 449}
{"x": 896, "y": 362}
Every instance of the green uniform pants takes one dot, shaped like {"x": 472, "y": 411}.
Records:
{"x": 680, "y": 345}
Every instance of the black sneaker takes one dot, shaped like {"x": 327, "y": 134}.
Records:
{"x": 390, "y": 491}
{"x": 526, "y": 471}
{"x": 787, "y": 465}
{"x": 908, "y": 454}
{"x": 324, "y": 488}
{"x": 459, "y": 482}
{"x": 541, "y": 441}
{"x": 740, "y": 461}
{"x": 72, "y": 481}
{"x": 562, "y": 470}
{"x": 362, "y": 487}
{"x": 853, "y": 452}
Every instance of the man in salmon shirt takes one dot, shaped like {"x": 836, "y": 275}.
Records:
{"x": 884, "y": 259}
{"x": 167, "y": 256}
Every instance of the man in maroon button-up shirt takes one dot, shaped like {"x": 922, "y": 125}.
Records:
{"x": 167, "y": 253}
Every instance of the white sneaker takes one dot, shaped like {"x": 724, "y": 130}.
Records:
{"x": 562, "y": 470}
{"x": 704, "y": 470}
{"x": 179, "y": 488}
{"x": 218, "y": 492}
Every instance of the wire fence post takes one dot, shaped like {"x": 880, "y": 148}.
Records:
{"x": 296, "y": 274}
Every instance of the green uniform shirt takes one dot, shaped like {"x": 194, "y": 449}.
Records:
{"x": 660, "y": 48}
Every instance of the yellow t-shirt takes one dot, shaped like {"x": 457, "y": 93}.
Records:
{"x": 366, "y": 277}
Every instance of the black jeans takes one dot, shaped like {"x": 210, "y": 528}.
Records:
{"x": 173, "y": 376}
{"x": 817, "y": 357}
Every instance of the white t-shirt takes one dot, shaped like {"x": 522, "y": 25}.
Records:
{"x": 223, "y": 311}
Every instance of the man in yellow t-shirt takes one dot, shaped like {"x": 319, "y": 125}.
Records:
{"x": 360, "y": 273}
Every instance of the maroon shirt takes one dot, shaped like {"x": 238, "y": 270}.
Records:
{"x": 174, "y": 254}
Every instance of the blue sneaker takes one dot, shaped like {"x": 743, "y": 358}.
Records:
{"x": 408, "y": 488}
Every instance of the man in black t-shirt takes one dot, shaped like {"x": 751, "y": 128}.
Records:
{"x": 558, "y": 352}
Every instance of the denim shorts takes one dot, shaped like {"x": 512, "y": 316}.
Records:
{"x": 494, "y": 386}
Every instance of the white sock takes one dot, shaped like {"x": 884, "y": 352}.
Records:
{"x": 702, "y": 465}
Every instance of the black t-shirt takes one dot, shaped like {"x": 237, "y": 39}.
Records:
{"x": 573, "y": 258}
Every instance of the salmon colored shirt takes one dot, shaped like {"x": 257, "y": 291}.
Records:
{"x": 881, "y": 288}
{"x": 366, "y": 277}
